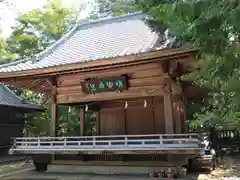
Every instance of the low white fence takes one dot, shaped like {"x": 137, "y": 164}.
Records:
{"x": 98, "y": 144}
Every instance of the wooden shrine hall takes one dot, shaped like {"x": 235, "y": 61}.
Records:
{"x": 128, "y": 75}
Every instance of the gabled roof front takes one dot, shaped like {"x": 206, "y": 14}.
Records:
{"x": 95, "y": 40}
{"x": 9, "y": 98}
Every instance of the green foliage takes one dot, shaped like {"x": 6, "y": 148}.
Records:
{"x": 214, "y": 28}
{"x": 40, "y": 28}
{"x": 68, "y": 121}
{"x": 113, "y": 8}
{"x": 5, "y": 56}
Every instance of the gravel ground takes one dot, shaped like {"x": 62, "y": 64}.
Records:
{"x": 9, "y": 168}
{"x": 229, "y": 170}
{"x": 61, "y": 173}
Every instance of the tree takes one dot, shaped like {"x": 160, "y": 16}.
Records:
{"x": 34, "y": 32}
{"x": 4, "y": 54}
{"x": 214, "y": 28}
{"x": 113, "y": 8}
{"x": 40, "y": 28}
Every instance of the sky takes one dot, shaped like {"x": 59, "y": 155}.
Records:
{"x": 8, "y": 15}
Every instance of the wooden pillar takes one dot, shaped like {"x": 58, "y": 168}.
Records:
{"x": 51, "y": 82}
{"x": 184, "y": 115}
{"x": 98, "y": 122}
{"x": 168, "y": 112}
{"x": 177, "y": 108}
{"x": 53, "y": 112}
{"x": 53, "y": 132}
{"x": 178, "y": 119}
{"x": 186, "y": 123}
{"x": 82, "y": 121}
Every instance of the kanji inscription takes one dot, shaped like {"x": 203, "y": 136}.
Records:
{"x": 98, "y": 85}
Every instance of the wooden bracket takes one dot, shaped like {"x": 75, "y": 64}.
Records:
{"x": 167, "y": 89}
{"x": 51, "y": 81}
{"x": 53, "y": 88}
{"x": 165, "y": 66}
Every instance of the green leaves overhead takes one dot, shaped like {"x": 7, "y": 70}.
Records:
{"x": 213, "y": 27}
{"x": 40, "y": 28}
{"x": 113, "y": 7}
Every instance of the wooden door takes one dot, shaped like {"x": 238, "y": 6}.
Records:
{"x": 139, "y": 121}
{"x": 112, "y": 122}
{"x": 159, "y": 116}
{"x": 159, "y": 119}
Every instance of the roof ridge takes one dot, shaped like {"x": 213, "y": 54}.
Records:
{"x": 12, "y": 93}
{"x": 111, "y": 18}
{"x": 65, "y": 37}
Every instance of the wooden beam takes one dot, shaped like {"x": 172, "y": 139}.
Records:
{"x": 161, "y": 80}
{"x": 136, "y": 92}
{"x": 134, "y": 72}
{"x": 99, "y": 64}
{"x": 82, "y": 121}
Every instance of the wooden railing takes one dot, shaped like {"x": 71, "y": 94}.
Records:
{"x": 97, "y": 144}
{"x": 225, "y": 139}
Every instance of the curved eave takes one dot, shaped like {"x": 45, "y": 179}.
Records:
{"x": 26, "y": 107}
{"x": 101, "y": 63}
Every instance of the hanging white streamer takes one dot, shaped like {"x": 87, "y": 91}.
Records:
{"x": 126, "y": 105}
{"x": 145, "y": 103}
{"x": 86, "y": 108}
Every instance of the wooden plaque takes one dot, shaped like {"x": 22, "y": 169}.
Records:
{"x": 108, "y": 84}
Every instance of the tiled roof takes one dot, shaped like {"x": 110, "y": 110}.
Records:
{"x": 99, "y": 39}
{"x": 8, "y": 98}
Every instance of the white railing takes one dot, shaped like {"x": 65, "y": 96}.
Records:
{"x": 97, "y": 144}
